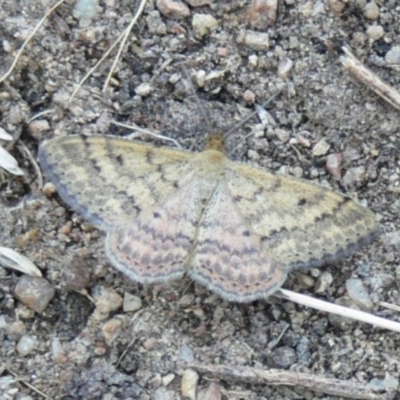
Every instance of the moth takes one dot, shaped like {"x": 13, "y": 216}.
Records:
{"x": 234, "y": 228}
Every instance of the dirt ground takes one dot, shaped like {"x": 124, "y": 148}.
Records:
{"x": 108, "y": 351}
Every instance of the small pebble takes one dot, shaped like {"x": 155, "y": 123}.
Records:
{"x": 263, "y": 13}
{"x": 215, "y": 75}
{"x": 303, "y": 351}
{"x": 306, "y": 281}
{"x": 337, "y": 7}
{"x": 190, "y": 379}
{"x": 324, "y": 281}
{"x": 393, "y": 239}
{"x": 358, "y": 293}
{"x": 253, "y": 60}
{"x": 131, "y": 303}
{"x": 186, "y": 300}
{"x": 109, "y": 300}
{"x": 258, "y": 41}
{"x": 49, "y": 189}
{"x": 155, "y": 23}
{"x": 283, "y": 357}
{"x": 249, "y": 96}
{"x": 85, "y": 9}
{"x": 201, "y": 78}
{"x": 77, "y": 275}
{"x": 173, "y": 9}
{"x": 371, "y": 10}
{"x": 58, "y": 352}
{"x": 389, "y": 383}
{"x": 212, "y": 392}
{"x": 282, "y": 134}
{"x": 167, "y": 379}
{"x": 393, "y": 55}
{"x": 144, "y": 89}
{"x": 35, "y": 292}
{"x": 186, "y": 354}
{"x": 294, "y": 42}
{"x": 276, "y": 312}
{"x": 23, "y": 312}
{"x": 253, "y": 155}
{"x": 37, "y": 127}
{"x": 265, "y": 116}
{"x": 354, "y": 175}
{"x": 18, "y": 113}
{"x": 321, "y": 148}
{"x": 162, "y": 393}
{"x": 16, "y": 328}
{"x": 203, "y": 24}
{"x": 334, "y": 165}
{"x": 319, "y": 8}
{"x": 304, "y": 138}
{"x": 112, "y": 328}
{"x": 26, "y": 345}
{"x": 352, "y": 154}
{"x": 284, "y": 68}
{"x": 375, "y": 32}
{"x": 297, "y": 172}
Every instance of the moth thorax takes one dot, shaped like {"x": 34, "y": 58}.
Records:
{"x": 215, "y": 142}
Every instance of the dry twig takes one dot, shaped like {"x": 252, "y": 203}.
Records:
{"x": 124, "y": 37}
{"x": 369, "y": 78}
{"x": 28, "y": 39}
{"x": 335, "y": 387}
{"x": 338, "y": 310}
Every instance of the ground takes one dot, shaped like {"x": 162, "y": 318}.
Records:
{"x": 77, "y": 343}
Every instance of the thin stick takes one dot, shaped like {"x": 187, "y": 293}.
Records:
{"x": 106, "y": 54}
{"x": 33, "y": 162}
{"x": 251, "y": 115}
{"x": 338, "y": 310}
{"x": 38, "y": 115}
{"x": 390, "y": 306}
{"x": 146, "y": 132}
{"x": 29, "y": 38}
{"x": 125, "y": 38}
{"x": 369, "y": 78}
{"x": 27, "y": 384}
{"x": 335, "y": 387}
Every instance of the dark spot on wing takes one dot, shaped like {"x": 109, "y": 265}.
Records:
{"x": 302, "y": 202}
{"x": 120, "y": 160}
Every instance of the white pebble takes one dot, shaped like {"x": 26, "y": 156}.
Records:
{"x": 358, "y": 293}
{"x": 371, "y": 10}
{"x": 375, "y": 32}
{"x": 190, "y": 378}
{"x": 26, "y": 345}
{"x": 321, "y": 148}
{"x": 255, "y": 40}
{"x": 203, "y": 24}
{"x": 131, "y": 303}
{"x": 144, "y": 89}
{"x": 284, "y": 67}
{"x": 393, "y": 55}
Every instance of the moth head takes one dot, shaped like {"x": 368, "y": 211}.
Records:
{"x": 215, "y": 141}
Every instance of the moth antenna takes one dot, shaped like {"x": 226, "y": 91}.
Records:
{"x": 250, "y": 116}
{"x": 204, "y": 112}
